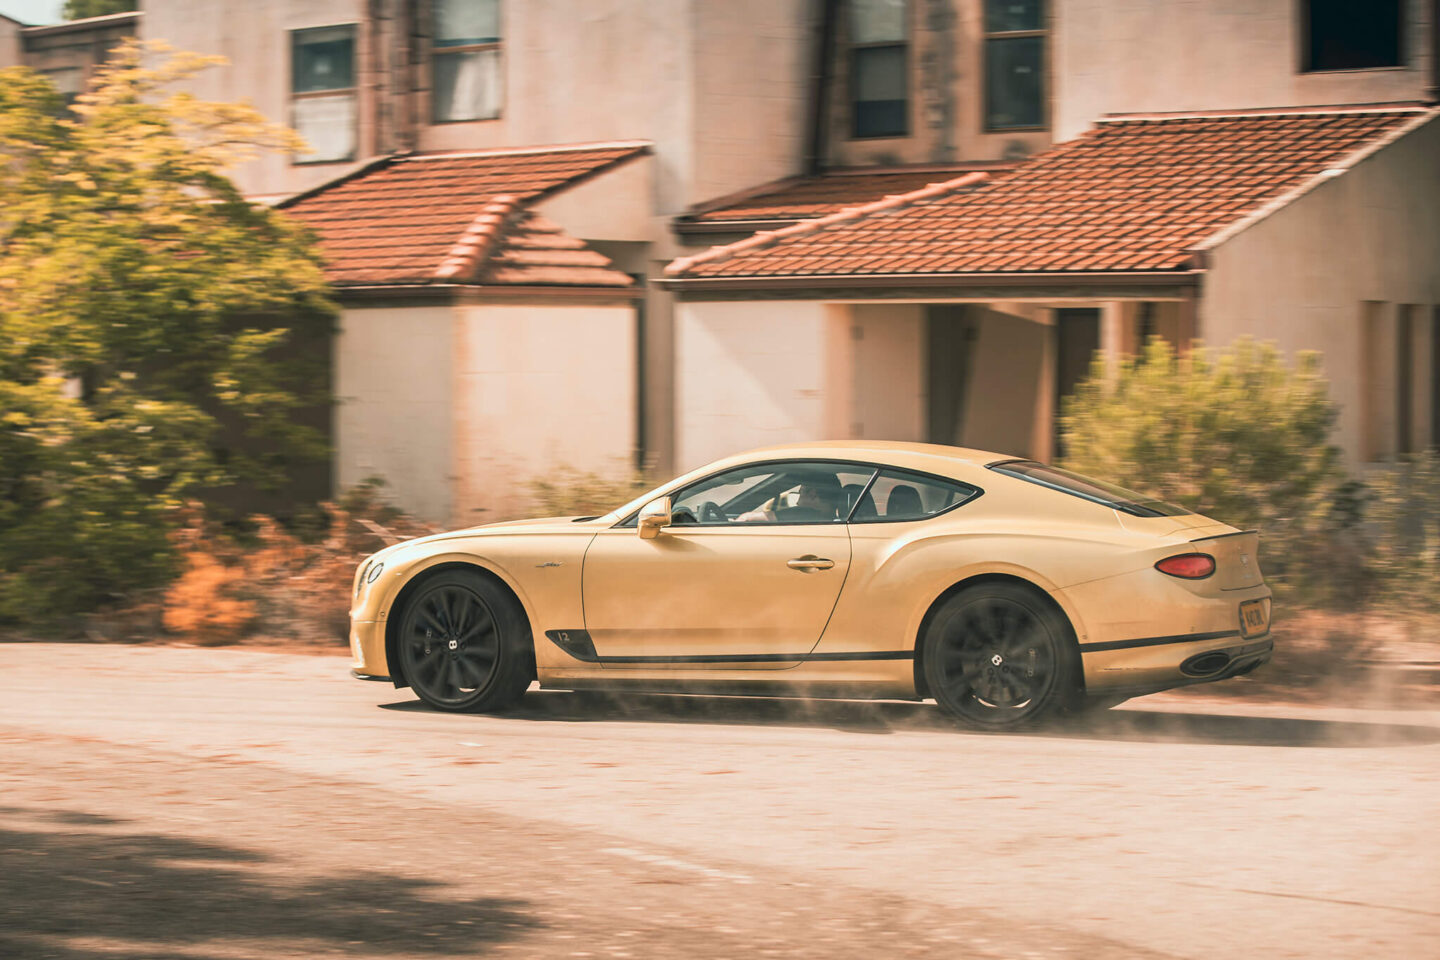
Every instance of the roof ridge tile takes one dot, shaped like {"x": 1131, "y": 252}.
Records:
{"x": 481, "y": 237}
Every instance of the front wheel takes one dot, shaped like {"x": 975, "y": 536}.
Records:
{"x": 464, "y": 643}
{"x": 998, "y": 655}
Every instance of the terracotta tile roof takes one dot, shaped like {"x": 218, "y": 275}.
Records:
{"x": 1130, "y": 195}
{"x": 800, "y": 198}
{"x": 457, "y": 217}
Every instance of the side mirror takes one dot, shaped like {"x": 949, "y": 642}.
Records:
{"x": 654, "y": 517}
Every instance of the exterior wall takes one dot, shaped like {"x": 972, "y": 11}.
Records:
{"x": 1140, "y": 56}
{"x": 752, "y": 62}
{"x": 751, "y": 373}
{"x": 9, "y": 42}
{"x": 538, "y": 388}
{"x": 255, "y": 38}
{"x": 888, "y": 398}
{"x": 393, "y": 372}
{"x": 1302, "y": 275}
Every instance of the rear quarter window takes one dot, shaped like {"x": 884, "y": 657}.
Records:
{"x": 1088, "y": 488}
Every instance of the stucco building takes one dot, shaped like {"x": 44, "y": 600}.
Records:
{"x": 1056, "y": 133}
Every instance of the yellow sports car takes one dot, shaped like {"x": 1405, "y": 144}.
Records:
{"x": 1005, "y": 589}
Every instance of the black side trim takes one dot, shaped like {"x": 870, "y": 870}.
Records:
{"x": 577, "y": 643}
{"x": 766, "y": 657}
{"x": 1155, "y": 641}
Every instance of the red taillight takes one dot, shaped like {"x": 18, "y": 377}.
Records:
{"x": 1188, "y": 566}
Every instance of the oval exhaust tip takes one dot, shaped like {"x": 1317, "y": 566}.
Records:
{"x": 1205, "y": 664}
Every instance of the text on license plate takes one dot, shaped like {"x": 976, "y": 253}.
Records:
{"x": 1254, "y": 617}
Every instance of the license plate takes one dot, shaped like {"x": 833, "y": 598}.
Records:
{"x": 1254, "y": 617}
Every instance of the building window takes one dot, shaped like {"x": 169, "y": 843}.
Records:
{"x": 323, "y": 93}
{"x": 1351, "y": 34}
{"x": 1014, "y": 64}
{"x": 465, "y": 60}
{"x": 879, "y": 58}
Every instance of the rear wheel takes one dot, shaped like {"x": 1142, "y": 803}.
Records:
{"x": 464, "y": 643}
{"x": 998, "y": 655}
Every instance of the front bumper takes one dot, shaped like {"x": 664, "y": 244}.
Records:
{"x": 367, "y": 650}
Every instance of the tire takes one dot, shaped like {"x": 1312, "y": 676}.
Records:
{"x": 999, "y": 655}
{"x": 464, "y": 643}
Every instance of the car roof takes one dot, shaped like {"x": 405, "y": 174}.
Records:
{"x": 898, "y": 452}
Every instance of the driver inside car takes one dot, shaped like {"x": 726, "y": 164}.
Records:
{"x": 818, "y": 500}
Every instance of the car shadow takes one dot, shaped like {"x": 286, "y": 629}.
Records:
{"x": 888, "y": 716}
{"x": 80, "y": 886}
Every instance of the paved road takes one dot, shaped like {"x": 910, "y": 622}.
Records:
{"x": 167, "y": 803}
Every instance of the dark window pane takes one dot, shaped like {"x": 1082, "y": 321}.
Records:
{"x": 1014, "y": 82}
{"x": 900, "y": 495}
{"x": 1353, "y": 34}
{"x": 1086, "y": 488}
{"x": 324, "y": 59}
{"x": 459, "y": 22}
{"x": 877, "y": 21}
{"x": 1003, "y": 15}
{"x": 879, "y": 81}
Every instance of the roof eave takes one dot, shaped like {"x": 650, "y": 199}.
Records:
{"x": 1179, "y": 278}
{"x": 479, "y": 292}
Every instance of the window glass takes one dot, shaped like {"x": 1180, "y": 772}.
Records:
{"x": 1005, "y": 15}
{"x": 1013, "y": 83}
{"x": 787, "y": 493}
{"x": 899, "y": 495}
{"x": 880, "y": 92}
{"x": 1098, "y": 491}
{"x": 467, "y": 85}
{"x": 877, "y": 21}
{"x": 1353, "y": 35}
{"x": 459, "y": 22}
{"x": 327, "y": 125}
{"x": 324, "y": 59}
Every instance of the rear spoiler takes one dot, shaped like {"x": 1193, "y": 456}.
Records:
{"x": 1222, "y": 536}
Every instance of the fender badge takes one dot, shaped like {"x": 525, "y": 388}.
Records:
{"x": 550, "y": 563}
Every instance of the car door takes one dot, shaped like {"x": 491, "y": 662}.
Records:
{"x": 745, "y": 576}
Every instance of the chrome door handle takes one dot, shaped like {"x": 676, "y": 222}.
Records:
{"x": 809, "y": 563}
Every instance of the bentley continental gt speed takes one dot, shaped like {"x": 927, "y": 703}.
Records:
{"x": 1005, "y": 589}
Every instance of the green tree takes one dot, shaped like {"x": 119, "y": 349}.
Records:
{"x": 80, "y": 9}
{"x": 1238, "y": 435}
{"x": 153, "y": 326}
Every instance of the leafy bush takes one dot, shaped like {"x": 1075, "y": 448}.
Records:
{"x": 1402, "y": 512}
{"x": 1237, "y": 435}
{"x": 158, "y": 334}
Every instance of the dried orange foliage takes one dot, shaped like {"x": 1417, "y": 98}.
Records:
{"x": 275, "y": 584}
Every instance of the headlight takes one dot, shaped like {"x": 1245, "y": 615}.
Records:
{"x": 367, "y": 573}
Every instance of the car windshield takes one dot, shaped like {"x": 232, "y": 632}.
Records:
{"x": 1097, "y": 491}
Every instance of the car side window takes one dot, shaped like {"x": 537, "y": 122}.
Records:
{"x": 793, "y": 492}
{"x": 898, "y": 495}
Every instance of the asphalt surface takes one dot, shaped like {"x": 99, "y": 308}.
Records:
{"x": 165, "y": 803}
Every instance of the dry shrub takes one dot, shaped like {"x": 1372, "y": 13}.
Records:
{"x": 273, "y": 583}
{"x": 568, "y": 492}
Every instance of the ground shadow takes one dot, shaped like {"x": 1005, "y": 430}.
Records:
{"x": 130, "y": 893}
{"x": 883, "y": 717}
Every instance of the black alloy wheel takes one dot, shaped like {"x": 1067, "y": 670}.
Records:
{"x": 998, "y": 655}
{"x": 463, "y": 643}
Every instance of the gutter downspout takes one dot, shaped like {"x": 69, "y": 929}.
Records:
{"x": 819, "y": 116}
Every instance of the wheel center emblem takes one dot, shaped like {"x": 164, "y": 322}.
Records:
{"x": 997, "y": 659}
{"x": 454, "y": 644}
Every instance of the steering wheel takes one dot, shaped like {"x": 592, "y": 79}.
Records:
{"x": 710, "y": 512}
{"x": 682, "y": 515}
